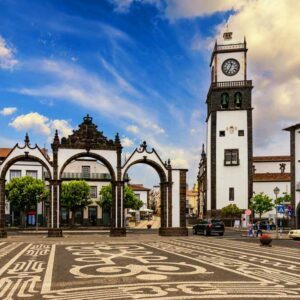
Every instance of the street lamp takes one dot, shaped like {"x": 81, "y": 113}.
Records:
{"x": 37, "y": 215}
{"x": 276, "y": 192}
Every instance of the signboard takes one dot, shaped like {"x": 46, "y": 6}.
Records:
{"x": 237, "y": 224}
{"x": 248, "y": 212}
{"x": 280, "y": 209}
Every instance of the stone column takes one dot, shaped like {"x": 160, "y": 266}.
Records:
{"x": 118, "y": 228}
{"x": 54, "y": 230}
{"x": 182, "y": 230}
{"x": 170, "y": 202}
{"x": 163, "y": 204}
{"x": 3, "y": 233}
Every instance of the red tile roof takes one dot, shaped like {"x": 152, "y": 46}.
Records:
{"x": 277, "y": 158}
{"x": 271, "y": 177}
{"x": 4, "y": 152}
{"x": 138, "y": 187}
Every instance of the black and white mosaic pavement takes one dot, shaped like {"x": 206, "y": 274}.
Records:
{"x": 146, "y": 268}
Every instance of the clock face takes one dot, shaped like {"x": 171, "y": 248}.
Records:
{"x": 230, "y": 67}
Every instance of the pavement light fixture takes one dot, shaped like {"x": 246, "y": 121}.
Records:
{"x": 276, "y": 192}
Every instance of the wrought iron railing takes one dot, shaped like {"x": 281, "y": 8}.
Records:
{"x": 230, "y": 47}
{"x": 71, "y": 175}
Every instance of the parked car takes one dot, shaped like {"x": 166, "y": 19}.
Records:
{"x": 294, "y": 234}
{"x": 263, "y": 225}
{"x": 208, "y": 227}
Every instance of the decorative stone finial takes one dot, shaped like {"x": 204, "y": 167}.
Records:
{"x": 203, "y": 154}
{"x": 169, "y": 163}
{"x": 87, "y": 120}
{"x": 27, "y": 140}
{"x": 117, "y": 138}
{"x": 143, "y": 146}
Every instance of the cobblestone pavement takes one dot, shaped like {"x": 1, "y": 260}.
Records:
{"x": 146, "y": 267}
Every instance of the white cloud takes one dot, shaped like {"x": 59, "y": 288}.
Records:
{"x": 6, "y": 111}
{"x": 62, "y": 126}
{"x": 41, "y": 124}
{"x": 127, "y": 142}
{"x": 272, "y": 30}
{"x": 76, "y": 85}
{"x": 133, "y": 129}
{"x": 7, "y": 59}
{"x": 123, "y": 6}
{"x": 176, "y": 9}
{"x": 32, "y": 121}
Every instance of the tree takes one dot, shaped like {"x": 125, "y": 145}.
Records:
{"x": 25, "y": 192}
{"x": 285, "y": 198}
{"x": 130, "y": 199}
{"x": 261, "y": 203}
{"x": 75, "y": 194}
{"x": 230, "y": 211}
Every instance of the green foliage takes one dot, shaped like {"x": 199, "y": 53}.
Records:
{"x": 75, "y": 194}
{"x": 105, "y": 197}
{"x": 25, "y": 192}
{"x": 261, "y": 203}
{"x": 285, "y": 198}
{"x": 130, "y": 199}
{"x": 231, "y": 211}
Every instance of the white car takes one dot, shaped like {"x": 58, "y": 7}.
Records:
{"x": 294, "y": 234}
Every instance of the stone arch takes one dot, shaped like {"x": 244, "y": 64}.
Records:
{"x": 92, "y": 155}
{"x": 14, "y": 156}
{"x": 163, "y": 185}
{"x": 12, "y": 161}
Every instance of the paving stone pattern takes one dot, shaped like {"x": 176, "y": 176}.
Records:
{"x": 146, "y": 267}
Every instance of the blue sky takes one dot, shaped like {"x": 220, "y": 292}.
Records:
{"x": 140, "y": 68}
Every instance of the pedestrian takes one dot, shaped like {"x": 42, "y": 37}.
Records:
{"x": 268, "y": 226}
{"x": 258, "y": 229}
{"x": 250, "y": 229}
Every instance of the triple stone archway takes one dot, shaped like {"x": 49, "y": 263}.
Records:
{"x": 88, "y": 141}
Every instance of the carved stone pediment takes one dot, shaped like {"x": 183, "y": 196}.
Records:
{"x": 87, "y": 136}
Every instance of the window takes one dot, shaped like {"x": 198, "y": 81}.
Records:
{"x": 231, "y": 157}
{"x": 238, "y": 100}
{"x": 224, "y": 100}
{"x": 32, "y": 174}
{"x": 138, "y": 196}
{"x": 15, "y": 174}
{"x": 241, "y": 133}
{"x": 221, "y": 133}
{"x": 231, "y": 194}
{"x": 93, "y": 192}
{"x": 86, "y": 171}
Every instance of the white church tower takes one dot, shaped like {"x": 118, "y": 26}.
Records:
{"x": 229, "y": 127}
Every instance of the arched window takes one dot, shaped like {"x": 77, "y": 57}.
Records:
{"x": 224, "y": 100}
{"x": 238, "y": 100}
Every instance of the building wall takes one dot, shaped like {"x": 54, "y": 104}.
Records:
{"x": 221, "y": 57}
{"x": 143, "y": 196}
{"x": 208, "y": 153}
{"x": 95, "y": 166}
{"x": 232, "y": 176}
{"x": 271, "y": 167}
{"x": 297, "y": 166}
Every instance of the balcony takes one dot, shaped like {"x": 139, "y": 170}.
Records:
{"x": 231, "y": 84}
{"x": 89, "y": 176}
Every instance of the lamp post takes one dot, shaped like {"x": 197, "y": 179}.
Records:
{"x": 37, "y": 215}
{"x": 276, "y": 192}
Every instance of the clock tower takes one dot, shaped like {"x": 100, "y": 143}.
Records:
{"x": 229, "y": 127}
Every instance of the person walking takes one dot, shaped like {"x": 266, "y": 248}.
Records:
{"x": 258, "y": 229}
{"x": 250, "y": 229}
